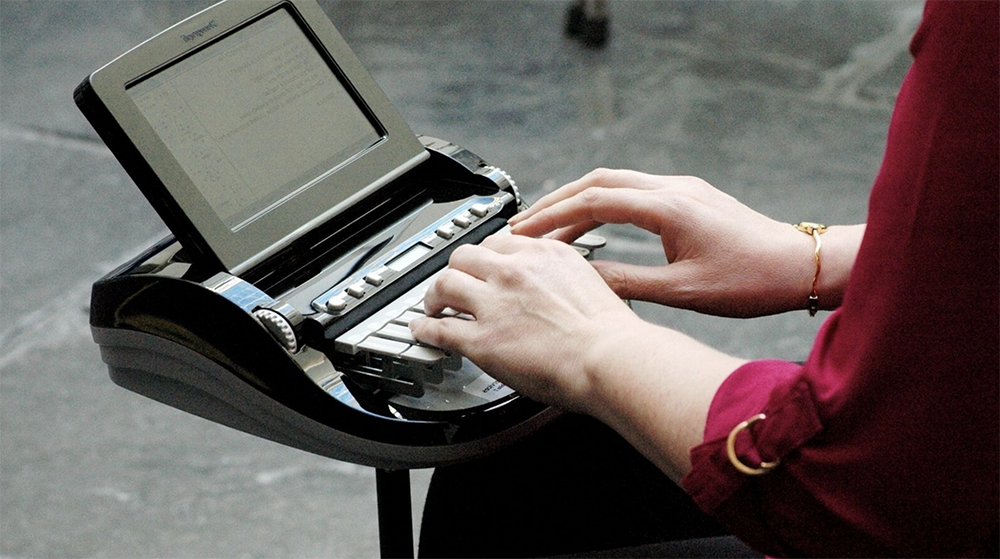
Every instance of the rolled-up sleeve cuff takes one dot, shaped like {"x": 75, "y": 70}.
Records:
{"x": 774, "y": 388}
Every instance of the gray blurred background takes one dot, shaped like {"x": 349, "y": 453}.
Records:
{"x": 783, "y": 104}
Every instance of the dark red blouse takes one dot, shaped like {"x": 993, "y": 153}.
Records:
{"x": 888, "y": 436}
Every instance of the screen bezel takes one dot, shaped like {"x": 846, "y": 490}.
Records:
{"x": 172, "y": 191}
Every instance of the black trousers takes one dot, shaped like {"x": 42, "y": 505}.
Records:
{"x": 574, "y": 487}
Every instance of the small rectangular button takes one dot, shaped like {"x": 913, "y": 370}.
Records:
{"x": 446, "y": 231}
{"x": 479, "y": 210}
{"x": 336, "y": 303}
{"x": 461, "y": 221}
{"x": 357, "y": 290}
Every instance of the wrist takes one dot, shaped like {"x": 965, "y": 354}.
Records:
{"x": 602, "y": 361}
{"x": 654, "y": 386}
{"x": 838, "y": 250}
{"x": 815, "y": 231}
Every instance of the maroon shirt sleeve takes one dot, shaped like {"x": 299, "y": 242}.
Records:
{"x": 888, "y": 435}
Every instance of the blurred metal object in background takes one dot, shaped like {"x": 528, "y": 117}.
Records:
{"x": 589, "y": 22}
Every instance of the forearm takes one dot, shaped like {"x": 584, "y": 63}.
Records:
{"x": 654, "y": 386}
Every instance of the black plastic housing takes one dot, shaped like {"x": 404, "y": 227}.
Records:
{"x": 165, "y": 334}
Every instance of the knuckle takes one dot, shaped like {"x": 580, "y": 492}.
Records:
{"x": 446, "y": 278}
{"x": 424, "y": 330}
{"x": 592, "y": 195}
{"x": 696, "y": 187}
{"x": 601, "y": 175}
{"x": 510, "y": 275}
{"x": 460, "y": 253}
{"x": 598, "y": 173}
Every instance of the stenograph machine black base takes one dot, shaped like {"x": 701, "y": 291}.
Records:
{"x": 307, "y": 220}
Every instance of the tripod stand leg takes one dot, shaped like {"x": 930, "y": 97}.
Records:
{"x": 395, "y": 516}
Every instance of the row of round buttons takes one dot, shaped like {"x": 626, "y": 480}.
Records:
{"x": 339, "y": 302}
{"x": 462, "y": 221}
{"x": 358, "y": 290}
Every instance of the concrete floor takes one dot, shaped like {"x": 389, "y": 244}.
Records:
{"x": 783, "y": 104}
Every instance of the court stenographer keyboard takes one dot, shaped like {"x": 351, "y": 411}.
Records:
{"x": 383, "y": 346}
{"x": 358, "y": 310}
{"x": 308, "y": 220}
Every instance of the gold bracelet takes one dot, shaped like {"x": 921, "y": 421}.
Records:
{"x": 814, "y": 230}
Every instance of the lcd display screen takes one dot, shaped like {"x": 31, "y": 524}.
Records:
{"x": 404, "y": 260}
{"x": 256, "y": 118}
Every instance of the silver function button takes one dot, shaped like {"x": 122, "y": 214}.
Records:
{"x": 479, "y": 210}
{"x": 590, "y": 241}
{"x": 336, "y": 303}
{"x": 357, "y": 290}
{"x": 446, "y": 231}
{"x": 462, "y": 221}
{"x": 374, "y": 278}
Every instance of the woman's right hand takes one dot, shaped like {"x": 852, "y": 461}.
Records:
{"x": 723, "y": 257}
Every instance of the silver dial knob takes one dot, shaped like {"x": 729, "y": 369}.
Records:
{"x": 279, "y": 327}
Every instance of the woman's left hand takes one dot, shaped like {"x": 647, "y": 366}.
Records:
{"x": 538, "y": 306}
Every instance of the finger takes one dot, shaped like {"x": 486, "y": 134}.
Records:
{"x": 573, "y": 232}
{"x": 599, "y": 205}
{"x": 446, "y": 333}
{"x": 566, "y": 191}
{"x": 604, "y": 178}
{"x": 510, "y": 249}
{"x": 453, "y": 289}
{"x": 571, "y": 214}
{"x": 507, "y": 244}
{"x": 479, "y": 261}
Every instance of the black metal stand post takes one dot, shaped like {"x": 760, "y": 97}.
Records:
{"x": 395, "y": 515}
